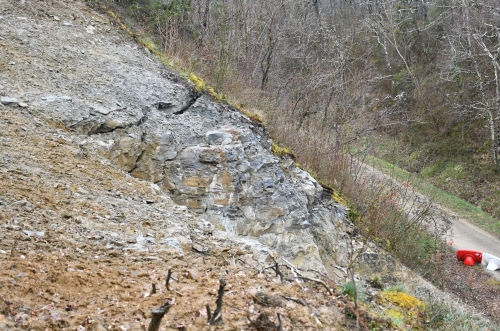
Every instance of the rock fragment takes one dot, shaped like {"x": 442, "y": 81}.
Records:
{"x": 8, "y": 100}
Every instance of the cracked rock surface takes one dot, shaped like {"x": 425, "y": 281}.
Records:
{"x": 77, "y": 72}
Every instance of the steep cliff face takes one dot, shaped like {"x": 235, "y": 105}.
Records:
{"x": 73, "y": 69}
{"x": 219, "y": 164}
{"x": 119, "y": 102}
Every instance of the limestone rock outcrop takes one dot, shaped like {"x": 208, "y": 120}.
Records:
{"x": 121, "y": 103}
{"x": 218, "y": 163}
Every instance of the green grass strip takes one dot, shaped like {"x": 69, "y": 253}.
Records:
{"x": 460, "y": 207}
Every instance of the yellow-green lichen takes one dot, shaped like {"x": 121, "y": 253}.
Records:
{"x": 281, "y": 151}
{"x": 401, "y": 306}
{"x": 334, "y": 194}
{"x": 199, "y": 84}
{"x": 402, "y": 299}
{"x": 396, "y": 316}
{"x": 338, "y": 198}
{"x": 255, "y": 117}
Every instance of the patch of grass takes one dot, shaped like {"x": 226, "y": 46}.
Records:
{"x": 493, "y": 282}
{"x": 431, "y": 170}
{"x": 397, "y": 288}
{"x": 449, "y": 201}
{"x": 453, "y": 171}
{"x": 376, "y": 281}
{"x": 281, "y": 151}
{"x": 444, "y": 315}
{"x": 348, "y": 289}
{"x": 254, "y": 116}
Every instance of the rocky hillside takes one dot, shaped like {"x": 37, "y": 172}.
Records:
{"x": 115, "y": 170}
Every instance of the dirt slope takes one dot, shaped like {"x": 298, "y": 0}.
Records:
{"x": 81, "y": 242}
{"x": 60, "y": 211}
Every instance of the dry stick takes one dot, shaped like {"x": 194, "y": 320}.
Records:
{"x": 321, "y": 273}
{"x": 169, "y": 274}
{"x": 247, "y": 263}
{"x": 317, "y": 281}
{"x": 277, "y": 268}
{"x": 264, "y": 269}
{"x": 353, "y": 311}
{"x": 209, "y": 313}
{"x": 292, "y": 267}
{"x": 299, "y": 301}
{"x": 153, "y": 291}
{"x": 278, "y": 272}
{"x": 278, "y": 328}
{"x": 158, "y": 314}
{"x": 217, "y": 316}
{"x": 294, "y": 271}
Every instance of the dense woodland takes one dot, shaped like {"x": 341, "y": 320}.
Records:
{"x": 415, "y": 82}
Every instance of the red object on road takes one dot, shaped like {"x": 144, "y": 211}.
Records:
{"x": 469, "y": 257}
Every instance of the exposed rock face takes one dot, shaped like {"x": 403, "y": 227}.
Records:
{"x": 218, "y": 163}
{"x": 152, "y": 124}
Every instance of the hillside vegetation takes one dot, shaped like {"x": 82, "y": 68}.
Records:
{"x": 413, "y": 82}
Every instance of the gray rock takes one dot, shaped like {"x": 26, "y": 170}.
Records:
{"x": 205, "y": 156}
{"x": 52, "y": 98}
{"x": 8, "y": 100}
{"x": 34, "y": 233}
{"x": 145, "y": 240}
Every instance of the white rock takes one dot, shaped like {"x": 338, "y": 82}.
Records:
{"x": 8, "y": 100}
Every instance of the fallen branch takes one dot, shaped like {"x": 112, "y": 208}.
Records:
{"x": 247, "y": 263}
{"x": 209, "y": 313}
{"x": 277, "y": 268}
{"x": 294, "y": 271}
{"x": 317, "y": 281}
{"x": 292, "y": 267}
{"x": 158, "y": 314}
{"x": 169, "y": 274}
{"x": 216, "y": 318}
{"x": 297, "y": 300}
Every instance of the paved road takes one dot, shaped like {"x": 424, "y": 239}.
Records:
{"x": 462, "y": 234}
{"x": 469, "y": 236}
